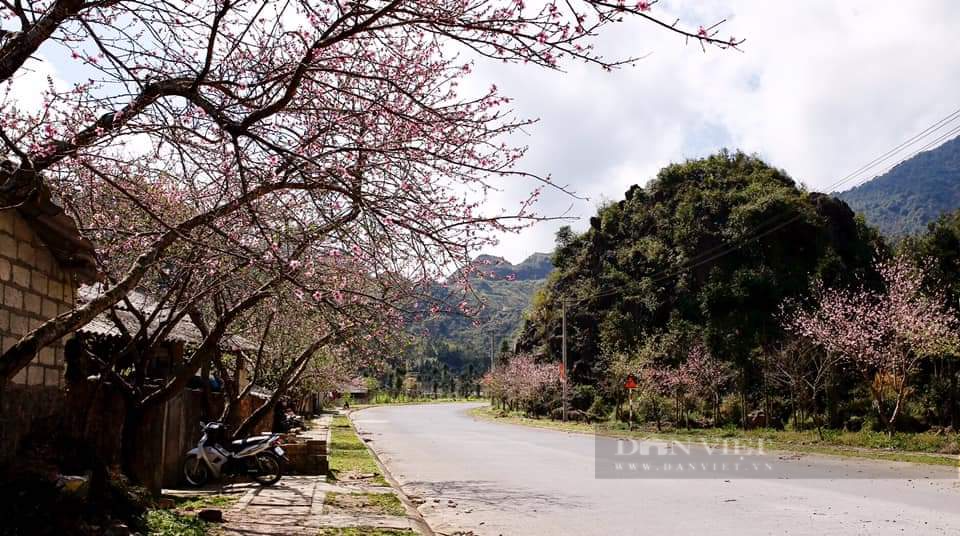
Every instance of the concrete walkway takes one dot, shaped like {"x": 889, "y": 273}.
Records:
{"x": 295, "y": 506}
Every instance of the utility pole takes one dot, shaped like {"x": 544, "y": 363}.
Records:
{"x": 563, "y": 323}
{"x": 493, "y": 351}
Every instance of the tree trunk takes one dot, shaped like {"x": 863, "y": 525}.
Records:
{"x": 953, "y": 399}
{"x": 743, "y": 408}
{"x": 206, "y": 410}
{"x": 134, "y": 453}
{"x": 289, "y": 377}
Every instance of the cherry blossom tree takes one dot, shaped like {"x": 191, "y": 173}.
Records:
{"x": 708, "y": 376}
{"x": 200, "y": 114}
{"x": 883, "y": 334}
{"x": 521, "y": 382}
{"x": 662, "y": 384}
{"x": 310, "y": 299}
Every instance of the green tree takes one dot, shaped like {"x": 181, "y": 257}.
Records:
{"x": 708, "y": 250}
{"x": 941, "y": 245}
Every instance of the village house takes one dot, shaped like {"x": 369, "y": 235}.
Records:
{"x": 172, "y": 428}
{"x": 47, "y": 268}
{"x": 355, "y": 390}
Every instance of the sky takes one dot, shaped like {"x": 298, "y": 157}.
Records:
{"x": 821, "y": 87}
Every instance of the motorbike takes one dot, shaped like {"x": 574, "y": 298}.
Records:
{"x": 259, "y": 457}
{"x": 291, "y": 421}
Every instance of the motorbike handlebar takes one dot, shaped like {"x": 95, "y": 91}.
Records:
{"x": 212, "y": 424}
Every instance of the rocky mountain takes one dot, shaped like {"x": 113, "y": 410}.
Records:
{"x": 505, "y": 291}
{"x": 491, "y": 268}
{"x": 904, "y": 200}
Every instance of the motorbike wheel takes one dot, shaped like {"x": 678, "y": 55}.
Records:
{"x": 196, "y": 472}
{"x": 268, "y": 469}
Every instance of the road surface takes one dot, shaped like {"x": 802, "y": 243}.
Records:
{"x": 488, "y": 478}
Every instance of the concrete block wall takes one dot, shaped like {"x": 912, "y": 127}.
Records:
{"x": 33, "y": 289}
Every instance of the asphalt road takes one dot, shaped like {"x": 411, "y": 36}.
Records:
{"x": 501, "y": 479}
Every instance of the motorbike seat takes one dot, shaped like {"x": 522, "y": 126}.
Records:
{"x": 241, "y": 444}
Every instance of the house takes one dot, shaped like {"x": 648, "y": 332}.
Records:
{"x": 356, "y": 389}
{"x": 43, "y": 259}
{"x": 111, "y": 328}
{"x": 171, "y": 429}
{"x": 47, "y": 268}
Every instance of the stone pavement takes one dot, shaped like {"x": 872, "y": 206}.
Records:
{"x": 295, "y": 506}
{"x": 319, "y": 428}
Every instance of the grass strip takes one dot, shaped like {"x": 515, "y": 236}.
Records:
{"x": 173, "y": 523}
{"x": 348, "y": 456}
{"x": 199, "y": 502}
{"x": 870, "y": 445}
{"x": 368, "y": 503}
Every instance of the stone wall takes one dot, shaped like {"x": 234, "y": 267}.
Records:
{"x": 33, "y": 289}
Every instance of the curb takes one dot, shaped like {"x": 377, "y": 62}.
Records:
{"x": 412, "y": 511}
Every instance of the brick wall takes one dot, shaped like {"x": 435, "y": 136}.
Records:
{"x": 34, "y": 289}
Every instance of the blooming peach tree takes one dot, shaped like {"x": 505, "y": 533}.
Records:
{"x": 521, "y": 382}
{"x": 708, "y": 376}
{"x": 348, "y": 117}
{"x": 885, "y": 334}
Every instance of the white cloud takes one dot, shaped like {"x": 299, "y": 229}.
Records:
{"x": 28, "y": 85}
{"x": 821, "y": 88}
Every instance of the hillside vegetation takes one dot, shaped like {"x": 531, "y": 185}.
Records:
{"x": 711, "y": 247}
{"x": 687, "y": 283}
{"x": 913, "y": 194}
{"x": 504, "y": 291}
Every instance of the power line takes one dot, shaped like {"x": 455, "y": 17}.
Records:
{"x": 797, "y": 216}
{"x": 932, "y": 128}
{"x": 756, "y": 233}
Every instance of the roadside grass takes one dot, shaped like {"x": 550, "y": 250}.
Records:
{"x": 365, "y": 531}
{"x": 181, "y": 520}
{"x": 348, "y": 456}
{"x": 367, "y": 503}
{"x": 190, "y": 504}
{"x": 901, "y": 447}
{"x": 174, "y": 523}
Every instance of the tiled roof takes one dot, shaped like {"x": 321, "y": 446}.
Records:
{"x": 184, "y": 331}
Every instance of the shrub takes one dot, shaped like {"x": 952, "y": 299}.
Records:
{"x": 731, "y": 409}
{"x": 598, "y": 410}
{"x": 583, "y": 397}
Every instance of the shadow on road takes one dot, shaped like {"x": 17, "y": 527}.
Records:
{"x": 493, "y": 494}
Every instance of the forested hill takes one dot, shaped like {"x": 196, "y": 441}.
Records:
{"x": 904, "y": 200}
{"x": 709, "y": 250}
{"x": 506, "y": 290}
